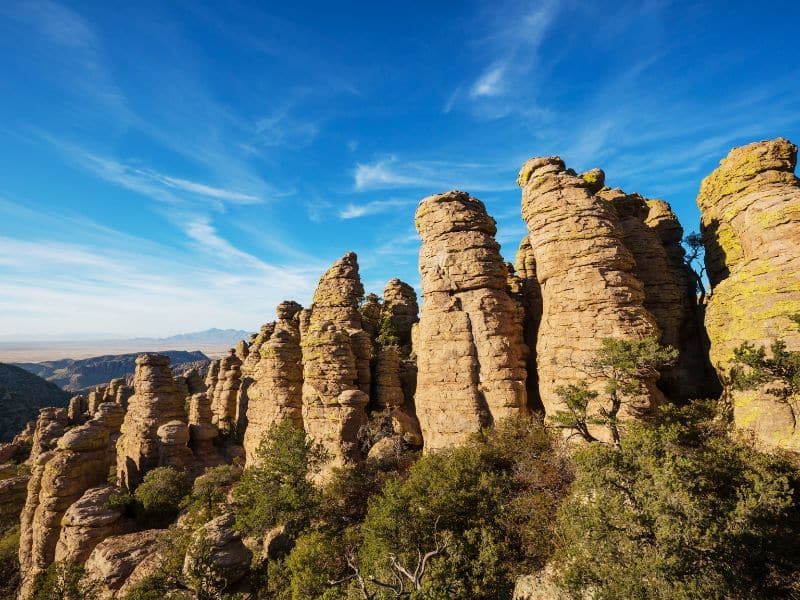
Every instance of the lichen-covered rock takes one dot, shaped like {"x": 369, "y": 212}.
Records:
{"x": 225, "y": 401}
{"x": 751, "y": 229}
{"x": 155, "y": 402}
{"x": 469, "y": 348}
{"x": 276, "y": 393}
{"x": 87, "y": 522}
{"x": 587, "y": 279}
{"x": 113, "y": 560}
{"x": 400, "y": 306}
{"x": 338, "y": 294}
{"x": 371, "y": 315}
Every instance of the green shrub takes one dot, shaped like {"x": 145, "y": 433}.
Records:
{"x": 277, "y": 490}
{"x": 210, "y": 492}
{"x": 681, "y": 510}
{"x": 65, "y": 581}
{"x": 161, "y": 492}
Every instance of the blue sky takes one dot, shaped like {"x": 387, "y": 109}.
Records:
{"x": 172, "y": 166}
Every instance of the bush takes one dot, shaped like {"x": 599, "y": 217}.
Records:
{"x": 161, "y": 492}
{"x": 210, "y": 492}
{"x": 681, "y": 510}
{"x": 277, "y": 490}
{"x": 484, "y": 512}
{"x": 65, "y": 581}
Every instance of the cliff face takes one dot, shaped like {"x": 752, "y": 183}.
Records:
{"x": 469, "y": 347}
{"x": 751, "y": 229}
{"x": 22, "y": 394}
{"x": 587, "y": 277}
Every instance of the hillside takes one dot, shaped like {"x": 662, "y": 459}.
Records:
{"x": 75, "y": 375}
{"x": 22, "y": 394}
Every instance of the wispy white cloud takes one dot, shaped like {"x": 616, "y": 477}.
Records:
{"x": 432, "y": 175}
{"x": 353, "y": 211}
{"x": 490, "y": 83}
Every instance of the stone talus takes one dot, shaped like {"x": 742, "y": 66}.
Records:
{"x": 750, "y": 209}
{"x": 586, "y": 273}
{"x": 469, "y": 347}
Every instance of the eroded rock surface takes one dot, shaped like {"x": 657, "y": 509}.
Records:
{"x": 751, "y": 230}
{"x": 470, "y": 352}
{"x": 586, "y": 274}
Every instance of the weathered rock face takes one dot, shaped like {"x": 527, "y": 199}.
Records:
{"x": 530, "y": 296}
{"x": 336, "y": 362}
{"x": 222, "y": 548}
{"x": 78, "y": 407}
{"x": 751, "y": 229}
{"x": 693, "y": 376}
{"x": 173, "y": 445}
{"x": 114, "y": 559}
{"x": 49, "y": 427}
{"x": 470, "y": 352}
{"x": 81, "y": 460}
{"x": 586, "y": 274}
{"x": 225, "y": 401}
{"x": 202, "y": 433}
{"x": 276, "y": 393}
{"x": 400, "y": 306}
{"x": 155, "y": 403}
{"x": 388, "y": 386}
{"x": 87, "y": 522}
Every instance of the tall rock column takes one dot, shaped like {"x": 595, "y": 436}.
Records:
{"x": 751, "y": 230}
{"x": 276, "y": 393}
{"x": 470, "y": 352}
{"x": 156, "y": 401}
{"x": 336, "y": 370}
{"x": 531, "y": 299}
{"x": 586, "y": 274}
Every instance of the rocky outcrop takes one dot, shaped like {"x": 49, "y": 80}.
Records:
{"x": 586, "y": 273}
{"x": 19, "y": 449}
{"x": 530, "y": 297}
{"x": 336, "y": 362}
{"x": 202, "y": 433}
{"x": 78, "y": 407}
{"x": 751, "y": 229}
{"x": 155, "y": 403}
{"x": 81, "y": 460}
{"x": 49, "y": 427}
{"x": 401, "y": 308}
{"x": 173, "y": 445}
{"x": 470, "y": 352}
{"x": 220, "y": 549}
{"x": 276, "y": 393}
{"x": 388, "y": 386}
{"x": 225, "y": 401}
{"x": 114, "y": 559}
{"x": 87, "y": 522}
{"x": 693, "y": 376}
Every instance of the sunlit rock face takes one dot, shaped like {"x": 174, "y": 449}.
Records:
{"x": 751, "y": 230}
{"x": 469, "y": 347}
{"x": 587, "y": 277}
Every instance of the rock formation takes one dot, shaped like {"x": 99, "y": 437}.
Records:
{"x": 276, "y": 393}
{"x": 530, "y": 297}
{"x": 225, "y": 401}
{"x": 336, "y": 362}
{"x": 60, "y": 477}
{"x": 87, "y": 522}
{"x": 751, "y": 228}
{"x": 114, "y": 559}
{"x": 401, "y": 308}
{"x": 78, "y": 407}
{"x": 221, "y": 549}
{"x": 586, "y": 273}
{"x": 155, "y": 403}
{"x": 202, "y": 433}
{"x": 49, "y": 427}
{"x": 173, "y": 445}
{"x": 470, "y": 355}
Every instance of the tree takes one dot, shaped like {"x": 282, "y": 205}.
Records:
{"x": 387, "y": 334}
{"x": 695, "y": 261}
{"x": 681, "y": 510}
{"x": 161, "y": 492}
{"x": 210, "y": 492}
{"x": 277, "y": 489}
{"x": 625, "y": 365}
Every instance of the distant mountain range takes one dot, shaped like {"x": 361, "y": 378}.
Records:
{"x": 76, "y": 375}
{"x": 22, "y": 394}
{"x": 225, "y": 337}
